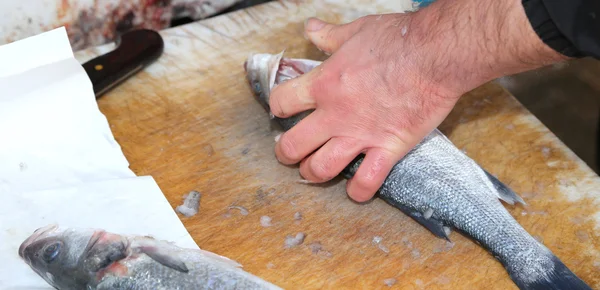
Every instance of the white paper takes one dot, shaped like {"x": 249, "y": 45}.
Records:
{"x": 51, "y": 130}
{"x": 32, "y": 52}
{"x": 130, "y": 206}
{"x": 59, "y": 162}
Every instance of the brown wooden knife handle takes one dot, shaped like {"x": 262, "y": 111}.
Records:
{"x": 135, "y": 50}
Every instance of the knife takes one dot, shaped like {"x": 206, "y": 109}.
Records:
{"x": 136, "y": 49}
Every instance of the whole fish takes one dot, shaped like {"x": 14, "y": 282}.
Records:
{"x": 74, "y": 259}
{"x": 441, "y": 188}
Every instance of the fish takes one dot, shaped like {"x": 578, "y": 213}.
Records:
{"x": 87, "y": 258}
{"x": 440, "y": 187}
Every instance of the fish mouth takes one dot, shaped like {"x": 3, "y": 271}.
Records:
{"x": 37, "y": 234}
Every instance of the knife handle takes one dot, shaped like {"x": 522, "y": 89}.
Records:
{"x": 135, "y": 50}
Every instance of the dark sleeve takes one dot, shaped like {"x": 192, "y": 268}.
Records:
{"x": 571, "y": 27}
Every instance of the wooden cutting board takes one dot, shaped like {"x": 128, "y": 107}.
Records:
{"x": 191, "y": 122}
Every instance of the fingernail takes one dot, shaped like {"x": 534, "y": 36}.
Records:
{"x": 277, "y": 137}
{"x": 313, "y": 25}
{"x": 324, "y": 52}
{"x": 304, "y": 181}
{"x": 271, "y": 116}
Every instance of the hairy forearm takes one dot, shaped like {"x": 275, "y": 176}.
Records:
{"x": 478, "y": 41}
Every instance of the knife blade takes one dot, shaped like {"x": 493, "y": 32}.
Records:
{"x": 135, "y": 50}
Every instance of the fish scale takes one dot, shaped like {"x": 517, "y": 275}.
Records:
{"x": 203, "y": 272}
{"x": 438, "y": 186}
{"x": 145, "y": 273}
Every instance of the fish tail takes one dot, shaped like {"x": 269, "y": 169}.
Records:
{"x": 559, "y": 278}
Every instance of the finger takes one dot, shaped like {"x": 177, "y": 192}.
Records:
{"x": 302, "y": 139}
{"x": 371, "y": 174}
{"x": 329, "y": 37}
{"x": 328, "y": 161}
{"x": 292, "y": 96}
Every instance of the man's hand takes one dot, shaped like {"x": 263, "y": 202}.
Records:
{"x": 391, "y": 79}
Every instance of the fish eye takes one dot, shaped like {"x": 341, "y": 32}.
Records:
{"x": 51, "y": 252}
{"x": 257, "y": 87}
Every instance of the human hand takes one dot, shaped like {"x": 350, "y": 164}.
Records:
{"x": 390, "y": 80}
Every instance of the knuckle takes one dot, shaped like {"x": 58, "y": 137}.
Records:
{"x": 274, "y": 99}
{"x": 333, "y": 40}
{"x": 276, "y": 106}
{"x": 395, "y": 143}
{"x": 358, "y": 193}
{"x": 287, "y": 148}
{"x": 321, "y": 170}
{"x": 318, "y": 86}
{"x": 324, "y": 83}
{"x": 365, "y": 182}
{"x": 305, "y": 171}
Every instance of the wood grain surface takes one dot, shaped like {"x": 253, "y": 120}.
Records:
{"x": 191, "y": 122}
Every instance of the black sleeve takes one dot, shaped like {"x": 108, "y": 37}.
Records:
{"x": 571, "y": 27}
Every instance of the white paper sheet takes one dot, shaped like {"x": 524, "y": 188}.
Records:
{"x": 131, "y": 206}
{"x": 59, "y": 162}
{"x": 51, "y": 131}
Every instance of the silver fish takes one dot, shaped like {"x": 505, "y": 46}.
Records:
{"x": 441, "y": 188}
{"x": 70, "y": 259}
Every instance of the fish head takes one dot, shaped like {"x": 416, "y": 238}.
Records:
{"x": 261, "y": 71}
{"x": 264, "y": 71}
{"x": 67, "y": 258}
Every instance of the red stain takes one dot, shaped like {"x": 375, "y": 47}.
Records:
{"x": 115, "y": 269}
{"x": 63, "y": 9}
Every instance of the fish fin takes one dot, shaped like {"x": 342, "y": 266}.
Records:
{"x": 504, "y": 193}
{"x": 100, "y": 254}
{"x": 560, "y": 277}
{"x": 165, "y": 259}
{"x": 435, "y": 226}
{"x": 428, "y": 213}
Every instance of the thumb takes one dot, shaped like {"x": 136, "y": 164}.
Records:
{"x": 329, "y": 37}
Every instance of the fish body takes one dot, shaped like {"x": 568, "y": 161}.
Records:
{"x": 441, "y": 188}
{"x": 73, "y": 259}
